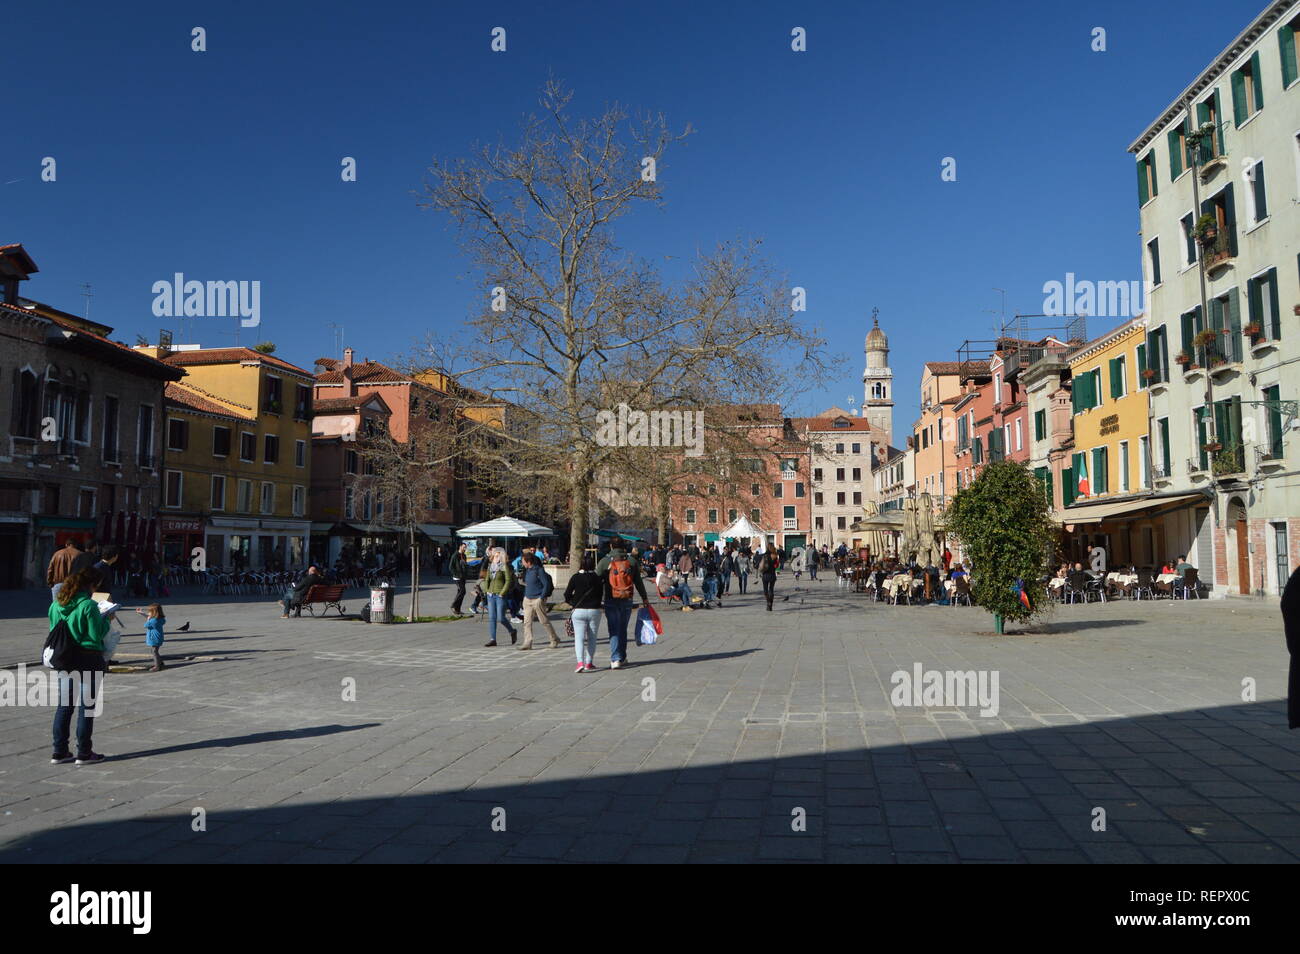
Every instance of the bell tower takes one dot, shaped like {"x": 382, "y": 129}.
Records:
{"x": 878, "y": 384}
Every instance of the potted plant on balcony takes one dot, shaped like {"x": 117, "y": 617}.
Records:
{"x": 1183, "y": 358}
{"x": 1254, "y": 329}
{"x": 1205, "y": 338}
{"x": 1212, "y": 448}
{"x": 1149, "y": 374}
{"x": 1207, "y": 229}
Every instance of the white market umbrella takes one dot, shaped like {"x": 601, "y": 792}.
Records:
{"x": 741, "y": 529}
{"x": 504, "y": 527}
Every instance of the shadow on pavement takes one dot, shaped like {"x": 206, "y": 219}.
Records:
{"x": 1208, "y": 785}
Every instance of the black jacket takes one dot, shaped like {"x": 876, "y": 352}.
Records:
{"x": 303, "y": 585}
{"x": 1291, "y": 623}
{"x": 459, "y": 566}
{"x": 585, "y": 590}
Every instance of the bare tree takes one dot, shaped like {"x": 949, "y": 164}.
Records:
{"x": 573, "y": 325}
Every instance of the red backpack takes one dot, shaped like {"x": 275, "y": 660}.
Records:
{"x": 620, "y": 580}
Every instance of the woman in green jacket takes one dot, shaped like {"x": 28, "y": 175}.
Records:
{"x": 498, "y": 583}
{"x": 88, "y": 627}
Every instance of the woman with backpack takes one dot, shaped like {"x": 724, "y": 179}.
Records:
{"x": 498, "y": 582}
{"x": 82, "y": 675}
{"x": 584, "y": 593}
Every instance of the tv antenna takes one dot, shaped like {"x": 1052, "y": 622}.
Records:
{"x": 87, "y": 295}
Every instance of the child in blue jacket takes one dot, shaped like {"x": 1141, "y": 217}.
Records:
{"x": 153, "y": 633}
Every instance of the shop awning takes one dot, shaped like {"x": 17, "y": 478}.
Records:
{"x": 436, "y": 531}
{"x": 1124, "y": 509}
{"x": 619, "y": 535}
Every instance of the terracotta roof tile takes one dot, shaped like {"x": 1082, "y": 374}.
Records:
{"x": 231, "y": 356}
{"x": 333, "y": 405}
{"x": 181, "y": 396}
{"x": 365, "y": 372}
{"x": 828, "y": 424}
{"x": 160, "y": 367}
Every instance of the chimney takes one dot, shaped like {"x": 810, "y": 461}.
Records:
{"x": 349, "y": 386}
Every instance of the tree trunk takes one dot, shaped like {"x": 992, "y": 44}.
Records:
{"x": 663, "y": 518}
{"x": 415, "y": 582}
{"x": 578, "y": 508}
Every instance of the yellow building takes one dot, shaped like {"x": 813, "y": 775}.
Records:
{"x": 236, "y": 459}
{"x": 1107, "y": 497}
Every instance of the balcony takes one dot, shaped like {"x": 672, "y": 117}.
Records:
{"x": 1270, "y": 457}
{"x": 1019, "y": 360}
{"x": 1230, "y": 461}
{"x": 1217, "y": 252}
{"x": 789, "y": 523}
{"x": 1205, "y": 147}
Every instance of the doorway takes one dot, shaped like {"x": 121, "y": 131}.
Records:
{"x": 1238, "y": 542}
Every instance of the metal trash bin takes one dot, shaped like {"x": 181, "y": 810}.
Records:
{"x": 380, "y": 608}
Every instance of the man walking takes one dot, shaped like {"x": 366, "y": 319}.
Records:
{"x": 60, "y": 567}
{"x": 459, "y": 567}
{"x": 621, "y": 579}
{"x": 537, "y": 586}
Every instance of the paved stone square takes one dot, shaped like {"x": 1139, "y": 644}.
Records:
{"x": 762, "y": 737}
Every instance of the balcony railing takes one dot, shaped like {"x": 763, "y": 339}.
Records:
{"x": 1231, "y": 459}
{"x": 1206, "y": 148}
{"x": 789, "y": 523}
{"x": 1019, "y": 360}
{"x": 1220, "y": 250}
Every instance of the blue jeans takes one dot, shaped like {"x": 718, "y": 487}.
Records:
{"x": 63, "y": 714}
{"x": 682, "y": 591}
{"x": 617, "y": 615}
{"x": 726, "y": 582}
{"x": 586, "y": 625}
{"x": 497, "y": 614}
{"x": 812, "y": 571}
{"x": 743, "y": 578}
{"x": 710, "y": 588}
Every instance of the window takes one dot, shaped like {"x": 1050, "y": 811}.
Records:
{"x": 1273, "y": 415}
{"x": 1209, "y": 113}
{"x": 690, "y": 516}
{"x": 1157, "y": 354}
{"x": 776, "y": 490}
{"x": 1247, "y": 91}
{"x": 1040, "y": 425}
{"x": 1257, "y": 200}
{"x": 1123, "y": 465}
{"x": 173, "y": 489}
{"x": 1222, "y": 208}
{"x": 365, "y": 506}
{"x": 302, "y": 402}
{"x": 817, "y": 475}
{"x": 1144, "y": 463}
{"x": 713, "y": 516}
{"x": 1177, "y": 140}
{"x": 817, "y": 498}
{"x": 754, "y": 516}
{"x": 798, "y": 489}
{"x": 857, "y": 498}
{"x": 178, "y": 434}
{"x": 857, "y": 448}
{"x": 220, "y": 441}
{"x": 1147, "y": 188}
{"x": 731, "y": 516}
{"x": 713, "y": 490}
{"x": 789, "y": 521}
{"x": 244, "y": 496}
{"x": 1261, "y": 303}
{"x": 819, "y": 523}
{"x": 350, "y": 462}
{"x": 271, "y": 449}
{"x": 299, "y": 500}
{"x": 1286, "y": 47}
{"x": 1225, "y": 317}
{"x": 300, "y": 453}
{"x": 839, "y": 448}
{"x": 268, "y": 497}
{"x": 839, "y": 499}
{"x": 1020, "y": 436}
{"x": 839, "y": 474}
{"x": 111, "y": 448}
{"x": 1153, "y": 255}
{"x": 1188, "y": 223}
{"x": 1100, "y": 470}
{"x": 348, "y": 501}
{"x": 1086, "y": 392}
{"x": 144, "y": 437}
{"x": 247, "y": 446}
{"x": 977, "y": 451}
{"x": 840, "y": 523}
{"x": 217, "y": 498}
{"x": 1118, "y": 378}
{"x": 271, "y": 402}
{"x": 754, "y": 490}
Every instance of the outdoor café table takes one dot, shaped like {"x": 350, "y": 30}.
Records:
{"x": 1123, "y": 582}
{"x": 1167, "y": 578}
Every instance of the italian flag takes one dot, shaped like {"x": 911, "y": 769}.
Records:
{"x": 1083, "y": 476}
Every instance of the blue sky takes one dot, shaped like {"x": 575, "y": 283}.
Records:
{"x": 225, "y": 164}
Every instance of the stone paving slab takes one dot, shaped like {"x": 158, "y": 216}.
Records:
{"x": 743, "y": 736}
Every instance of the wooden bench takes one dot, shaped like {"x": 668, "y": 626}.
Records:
{"x": 330, "y": 595}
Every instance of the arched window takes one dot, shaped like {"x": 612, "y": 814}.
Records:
{"x": 26, "y": 415}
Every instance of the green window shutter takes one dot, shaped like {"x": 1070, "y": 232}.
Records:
{"x": 1142, "y": 365}
{"x": 1230, "y": 217}
{"x": 1218, "y": 116}
{"x": 1258, "y": 78}
{"x": 1233, "y": 318}
{"x": 1067, "y": 486}
{"x": 1274, "y": 317}
{"x": 1239, "y": 113}
{"x": 1164, "y": 444}
{"x": 1274, "y": 411}
{"x": 1116, "y": 378}
{"x": 1175, "y": 154}
{"x": 1261, "y": 197}
{"x": 1286, "y": 45}
{"x": 1143, "y": 195}
{"x": 1202, "y": 114}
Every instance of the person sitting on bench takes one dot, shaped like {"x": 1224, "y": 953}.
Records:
{"x": 294, "y": 596}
